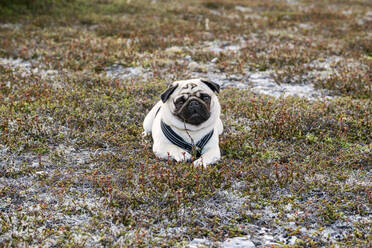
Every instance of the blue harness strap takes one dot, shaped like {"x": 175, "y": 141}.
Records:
{"x": 177, "y": 140}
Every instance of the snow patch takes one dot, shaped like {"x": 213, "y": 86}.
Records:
{"x": 119, "y": 71}
{"x": 198, "y": 243}
{"x": 26, "y": 68}
{"x": 366, "y": 18}
{"x": 10, "y": 25}
{"x": 238, "y": 242}
{"x": 127, "y": 73}
{"x": 243, "y": 9}
{"x": 263, "y": 83}
{"x": 219, "y": 47}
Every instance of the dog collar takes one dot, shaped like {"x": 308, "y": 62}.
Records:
{"x": 177, "y": 140}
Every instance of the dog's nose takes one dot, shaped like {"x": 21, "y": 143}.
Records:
{"x": 193, "y": 105}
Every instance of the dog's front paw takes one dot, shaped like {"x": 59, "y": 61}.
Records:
{"x": 179, "y": 155}
{"x": 205, "y": 161}
{"x": 200, "y": 162}
{"x": 171, "y": 152}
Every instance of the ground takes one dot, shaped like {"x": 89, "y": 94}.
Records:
{"x": 77, "y": 78}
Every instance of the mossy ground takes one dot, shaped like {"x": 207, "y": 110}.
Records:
{"x": 76, "y": 172}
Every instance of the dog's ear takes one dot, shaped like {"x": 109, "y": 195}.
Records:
{"x": 166, "y": 94}
{"x": 213, "y": 86}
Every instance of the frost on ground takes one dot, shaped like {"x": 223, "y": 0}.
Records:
{"x": 258, "y": 82}
{"x": 27, "y": 68}
{"x": 267, "y": 231}
{"x": 261, "y": 82}
{"x": 121, "y": 72}
{"x": 34, "y": 208}
{"x": 44, "y": 215}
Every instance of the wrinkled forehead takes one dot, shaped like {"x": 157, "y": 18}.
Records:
{"x": 192, "y": 86}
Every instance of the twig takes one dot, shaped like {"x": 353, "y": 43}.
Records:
{"x": 193, "y": 151}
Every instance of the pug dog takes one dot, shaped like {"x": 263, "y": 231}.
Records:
{"x": 186, "y": 122}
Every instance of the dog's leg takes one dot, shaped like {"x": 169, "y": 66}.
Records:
{"x": 149, "y": 119}
{"x": 211, "y": 152}
{"x": 170, "y": 151}
{"x": 210, "y": 156}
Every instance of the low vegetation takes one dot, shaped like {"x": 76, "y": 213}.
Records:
{"x": 75, "y": 170}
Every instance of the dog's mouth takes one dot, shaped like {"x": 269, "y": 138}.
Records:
{"x": 194, "y": 110}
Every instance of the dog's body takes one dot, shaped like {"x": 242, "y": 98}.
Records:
{"x": 190, "y": 109}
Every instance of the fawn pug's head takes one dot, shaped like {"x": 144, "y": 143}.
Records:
{"x": 192, "y": 101}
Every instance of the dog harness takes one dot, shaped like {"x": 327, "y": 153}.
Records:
{"x": 177, "y": 140}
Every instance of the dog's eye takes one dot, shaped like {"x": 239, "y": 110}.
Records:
{"x": 180, "y": 100}
{"x": 205, "y": 98}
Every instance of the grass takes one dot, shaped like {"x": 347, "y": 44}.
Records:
{"x": 76, "y": 172}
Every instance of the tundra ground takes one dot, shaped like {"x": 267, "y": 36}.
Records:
{"x": 77, "y": 78}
